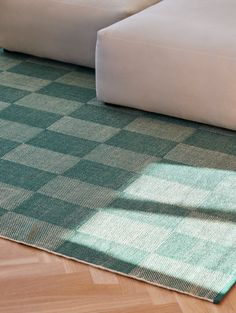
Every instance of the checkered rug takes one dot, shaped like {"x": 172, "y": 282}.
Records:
{"x": 144, "y": 195}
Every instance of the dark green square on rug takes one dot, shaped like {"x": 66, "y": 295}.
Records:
{"x": 63, "y": 143}
{"x": 38, "y": 70}
{"x": 6, "y": 146}
{"x": 55, "y": 211}
{"x": 141, "y": 143}
{"x": 99, "y": 174}
{"x": 29, "y": 116}
{"x": 9, "y": 94}
{"x": 68, "y": 92}
{"x": 216, "y": 142}
{"x": 23, "y": 176}
{"x": 104, "y": 115}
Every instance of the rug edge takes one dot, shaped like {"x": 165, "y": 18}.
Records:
{"x": 220, "y": 296}
{"x": 112, "y": 271}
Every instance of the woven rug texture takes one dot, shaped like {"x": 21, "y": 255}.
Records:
{"x": 145, "y": 195}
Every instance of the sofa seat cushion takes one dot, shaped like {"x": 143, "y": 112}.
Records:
{"x": 176, "y": 58}
{"x": 64, "y": 30}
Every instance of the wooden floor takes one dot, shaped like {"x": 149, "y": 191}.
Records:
{"x": 35, "y": 281}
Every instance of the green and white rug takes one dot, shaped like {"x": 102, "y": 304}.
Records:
{"x": 144, "y": 195}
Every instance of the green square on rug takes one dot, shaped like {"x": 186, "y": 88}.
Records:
{"x": 144, "y": 195}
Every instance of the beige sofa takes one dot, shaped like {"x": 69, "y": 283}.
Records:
{"x": 64, "y": 30}
{"x": 176, "y": 58}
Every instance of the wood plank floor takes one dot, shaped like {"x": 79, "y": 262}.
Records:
{"x": 33, "y": 281}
